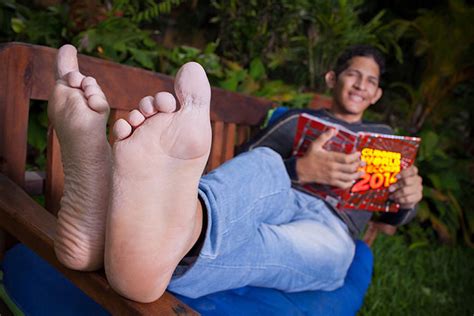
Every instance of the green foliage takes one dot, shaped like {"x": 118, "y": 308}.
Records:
{"x": 298, "y": 39}
{"x": 145, "y": 11}
{"x": 37, "y": 130}
{"x": 440, "y": 109}
{"x": 446, "y": 182}
{"x": 445, "y": 39}
{"x": 45, "y": 27}
{"x": 121, "y": 40}
{"x": 233, "y": 77}
{"x": 123, "y": 37}
{"x": 415, "y": 279}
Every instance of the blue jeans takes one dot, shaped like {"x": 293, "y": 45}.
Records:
{"x": 263, "y": 233}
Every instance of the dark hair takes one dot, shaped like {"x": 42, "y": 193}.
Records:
{"x": 359, "y": 50}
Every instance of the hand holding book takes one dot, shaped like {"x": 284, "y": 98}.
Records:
{"x": 357, "y": 171}
{"x": 408, "y": 190}
{"x": 328, "y": 167}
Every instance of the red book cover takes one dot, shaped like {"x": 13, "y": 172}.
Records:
{"x": 385, "y": 156}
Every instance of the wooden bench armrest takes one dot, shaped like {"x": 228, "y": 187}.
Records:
{"x": 31, "y": 224}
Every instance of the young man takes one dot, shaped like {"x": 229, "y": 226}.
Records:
{"x": 143, "y": 211}
{"x": 355, "y": 86}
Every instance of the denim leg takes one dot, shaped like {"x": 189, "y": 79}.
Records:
{"x": 261, "y": 232}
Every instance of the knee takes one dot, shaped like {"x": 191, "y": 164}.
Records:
{"x": 341, "y": 258}
{"x": 329, "y": 265}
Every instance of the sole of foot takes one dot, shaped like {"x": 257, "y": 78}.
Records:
{"x": 78, "y": 110}
{"x": 158, "y": 158}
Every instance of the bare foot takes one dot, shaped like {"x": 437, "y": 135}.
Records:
{"x": 78, "y": 111}
{"x": 154, "y": 216}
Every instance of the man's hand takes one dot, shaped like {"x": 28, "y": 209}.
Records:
{"x": 408, "y": 190}
{"x": 327, "y": 167}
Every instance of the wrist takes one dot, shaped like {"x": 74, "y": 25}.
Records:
{"x": 301, "y": 167}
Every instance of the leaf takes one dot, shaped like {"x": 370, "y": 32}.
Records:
{"x": 423, "y": 211}
{"x": 143, "y": 57}
{"x": 36, "y": 134}
{"x": 441, "y": 228}
{"x": 429, "y": 143}
{"x": 257, "y": 69}
{"x": 233, "y": 81}
{"x": 18, "y": 25}
{"x": 435, "y": 180}
{"x": 418, "y": 244}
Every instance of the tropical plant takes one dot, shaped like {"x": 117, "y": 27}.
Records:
{"x": 440, "y": 109}
{"x": 298, "y": 39}
{"x": 445, "y": 39}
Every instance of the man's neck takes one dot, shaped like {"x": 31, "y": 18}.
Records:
{"x": 346, "y": 117}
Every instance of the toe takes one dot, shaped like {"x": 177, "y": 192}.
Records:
{"x": 191, "y": 85}
{"x": 165, "y": 102}
{"x": 89, "y": 81}
{"x": 94, "y": 94}
{"x": 146, "y": 106}
{"x": 66, "y": 62}
{"x": 92, "y": 90}
{"x": 135, "y": 118}
{"x": 98, "y": 103}
{"x": 122, "y": 129}
{"x": 74, "y": 79}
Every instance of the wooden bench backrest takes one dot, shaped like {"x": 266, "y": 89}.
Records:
{"x": 27, "y": 73}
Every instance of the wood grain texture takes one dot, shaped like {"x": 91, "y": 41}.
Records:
{"x": 230, "y": 141}
{"x": 15, "y": 83}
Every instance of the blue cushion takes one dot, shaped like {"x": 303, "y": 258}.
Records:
{"x": 346, "y": 300}
{"x": 38, "y": 289}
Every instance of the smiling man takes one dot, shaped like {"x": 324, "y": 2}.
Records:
{"x": 355, "y": 86}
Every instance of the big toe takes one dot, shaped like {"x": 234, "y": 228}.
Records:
{"x": 192, "y": 86}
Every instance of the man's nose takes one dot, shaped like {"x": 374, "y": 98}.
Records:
{"x": 360, "y": 84}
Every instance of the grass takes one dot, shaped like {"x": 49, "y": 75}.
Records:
{"x": 426, "y": 280}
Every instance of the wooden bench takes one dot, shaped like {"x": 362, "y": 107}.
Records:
{"x": 27, "y": 73}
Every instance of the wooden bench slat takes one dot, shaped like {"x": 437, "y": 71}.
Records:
{"x": 15, "y": 79}
{"x": 230, "y": 140}
{"x": 217, "y": 144}
{"x": 242, "y": 134}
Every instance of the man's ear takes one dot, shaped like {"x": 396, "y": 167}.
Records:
{"x": 377, "y": 96}
{"x": 330, "y": 78}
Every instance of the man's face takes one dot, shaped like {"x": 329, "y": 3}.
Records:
{"x": 355, "y": 89}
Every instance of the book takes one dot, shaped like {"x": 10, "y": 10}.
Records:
{"x": 385, "y": 156}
